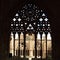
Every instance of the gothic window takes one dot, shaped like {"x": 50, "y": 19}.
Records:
{"x": 31, "y": 34}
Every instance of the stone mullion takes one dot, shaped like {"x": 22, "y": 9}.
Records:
{"x": 24, "y": 43}
{"x": 14, "y": 44}
{"x": 41, "y": 46}
{"x": 35, "y": 45}
{"x": 46, "y": 46}
{"x": 19, "y": 44}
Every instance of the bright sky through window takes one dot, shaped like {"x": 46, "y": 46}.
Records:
{"x": 43, "y": 36}
{"x": 38, "y": 35}
{"x": 16, "y": 35}
{"x": 49, "y": 36}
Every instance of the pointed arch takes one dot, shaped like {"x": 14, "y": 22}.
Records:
{"x": 32, "y": 22}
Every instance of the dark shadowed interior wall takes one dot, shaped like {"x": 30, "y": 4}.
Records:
{"x": 7, "y": 10}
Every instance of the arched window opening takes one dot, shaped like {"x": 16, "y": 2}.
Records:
{"x": 31, "y": 34}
